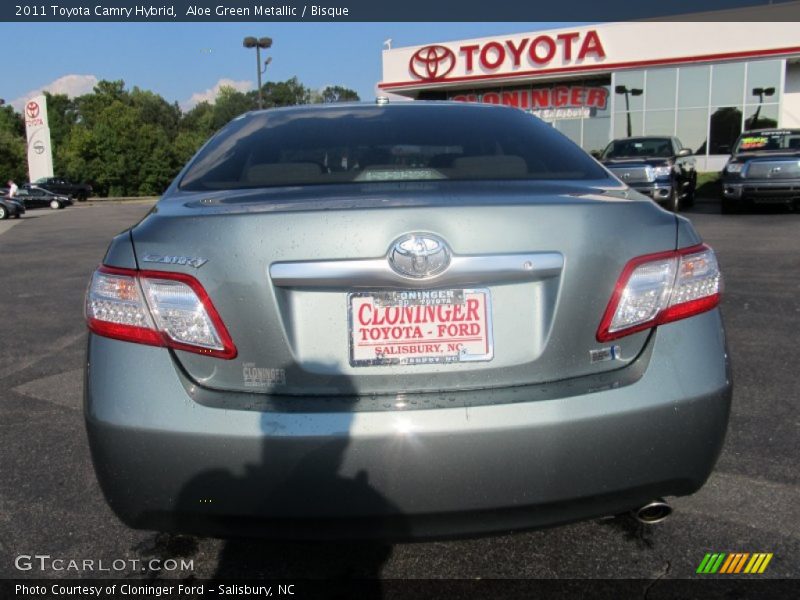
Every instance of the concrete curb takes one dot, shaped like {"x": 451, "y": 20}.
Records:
{"x": 104, "y": 201}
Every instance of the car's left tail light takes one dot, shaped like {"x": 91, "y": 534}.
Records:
{"x": 156, "y": 308}
{"x": 660, "y": 288}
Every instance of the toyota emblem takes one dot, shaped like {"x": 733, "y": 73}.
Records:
{"x": 419, "y": 255}
{"x": 32, "y": 109}
{"x": 432, "y": 63}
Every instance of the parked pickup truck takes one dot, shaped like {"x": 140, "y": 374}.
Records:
{"x": 59, "y": 185}
{"x": 657, "y": 166}
{"x": 764, "y": 169}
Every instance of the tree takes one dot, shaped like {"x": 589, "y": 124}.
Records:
{"x": 134, "y": 142}
{"x": 13, "y": 159}
{"x": 284, "y": 93}
{"x": 337, "y": 93}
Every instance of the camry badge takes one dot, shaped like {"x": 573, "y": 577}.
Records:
{"x": 419, "y": 255}
{"x": 190, "y": 261}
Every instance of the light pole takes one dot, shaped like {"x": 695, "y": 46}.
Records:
{"x": 621, "y": 89}
{"x": 258, "y": 44}
{"x": 760, "y": 92}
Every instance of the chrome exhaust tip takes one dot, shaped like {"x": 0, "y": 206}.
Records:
{"x": 652, "y": 512}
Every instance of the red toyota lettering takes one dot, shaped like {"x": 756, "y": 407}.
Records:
{"x": 469, "y": 54}
{"x": 591, "y": 45}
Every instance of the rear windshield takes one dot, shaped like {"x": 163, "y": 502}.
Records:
{"x": 772, "y": 140}
{"x": 373, "y": 143}
{"x": 640, "y": 147}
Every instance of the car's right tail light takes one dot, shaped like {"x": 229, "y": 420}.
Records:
{"x": 157, "y": 308}
{"x": 659, "y": 288}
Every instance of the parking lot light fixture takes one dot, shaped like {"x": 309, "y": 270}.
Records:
{"x": 258, "y": 44}
{"x": 621, "y": 89}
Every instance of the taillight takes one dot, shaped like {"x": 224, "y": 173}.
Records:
{"x": 156, "y": 308}
{"x": 660, "y": 288}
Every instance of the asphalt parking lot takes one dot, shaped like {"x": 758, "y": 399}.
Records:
{"x": 50, "y": 502}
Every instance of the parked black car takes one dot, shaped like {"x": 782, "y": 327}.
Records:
{"x": 764, "y": 169}
{"x": 35, "y": 197}
{"x": 9, "y": 207}
{"x": 59, "y": 185}
{"x": 657, "y": 166}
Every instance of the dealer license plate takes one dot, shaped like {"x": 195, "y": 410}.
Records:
{"x": 420, "y": 327}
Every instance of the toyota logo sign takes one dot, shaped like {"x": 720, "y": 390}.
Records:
{"x": 432, "y": 63}
{"x": 32, "y": 110}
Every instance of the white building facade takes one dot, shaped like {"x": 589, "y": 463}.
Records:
{"x": 704, "y": 82}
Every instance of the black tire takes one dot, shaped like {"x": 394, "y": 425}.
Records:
{"x": 55, "y": 204}
{"x": 688, "y": 200}
{"x": 3, "y": 212}
{"x": 673, "y": 202}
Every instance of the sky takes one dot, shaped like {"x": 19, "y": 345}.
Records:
{"x": 187, "y": 62}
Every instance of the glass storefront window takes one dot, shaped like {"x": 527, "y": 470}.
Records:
{"x": 621, "y": 124}
{"x": 595, "y": 134}
{"x": 726, "y": 84}
{"x": 763, "y": 77}
{"x": 725, "y": 125}
{"x": 693, "y": 85}
{"x": 659, "y": 122}
{"x": 760, "y": 117}
{"x": 661, "y": 88}
{"x": 633, "y": 82}
{"x": 691, "y": 130}
{"x": 571, "y": 128}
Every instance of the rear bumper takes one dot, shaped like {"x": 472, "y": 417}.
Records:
{"x": 763, "y": 192}
{"x": 165, "y": 461}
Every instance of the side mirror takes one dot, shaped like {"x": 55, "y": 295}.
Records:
{"x": 685, "y": 152}
{"x": 596, "y": 153}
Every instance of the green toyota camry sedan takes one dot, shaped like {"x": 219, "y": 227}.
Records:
{"x": 401, "y": 320}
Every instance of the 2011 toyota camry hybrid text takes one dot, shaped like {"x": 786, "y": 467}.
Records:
{"x": 407, "y": 320}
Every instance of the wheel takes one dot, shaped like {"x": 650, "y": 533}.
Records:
{"x": 688, "y": 200}
{"x": 3, "y": 212}
{"x": 54, "y": 204}
{"x": 673, "y": 202}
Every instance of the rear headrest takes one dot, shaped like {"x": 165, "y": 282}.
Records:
{"x": 491, "y": 166}
{"x": 272, "y": 173}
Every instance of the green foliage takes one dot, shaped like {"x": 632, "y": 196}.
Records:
{"x": 337, "y": 93}
{"x": 133, "y": 142}
{"x": 12, "y": 146}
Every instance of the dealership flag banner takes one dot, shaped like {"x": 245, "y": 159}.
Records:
{"x": 40, "y": 154}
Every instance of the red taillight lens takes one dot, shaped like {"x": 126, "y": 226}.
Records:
{"x": 156, "y": 308}
{"x": 660, "y": 288}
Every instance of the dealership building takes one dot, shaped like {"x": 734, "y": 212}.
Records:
{"x": 704, "y": 82}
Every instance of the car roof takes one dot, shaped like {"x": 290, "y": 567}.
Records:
{"x": 367, "y": 106}
{"x": 643, "y": 137}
